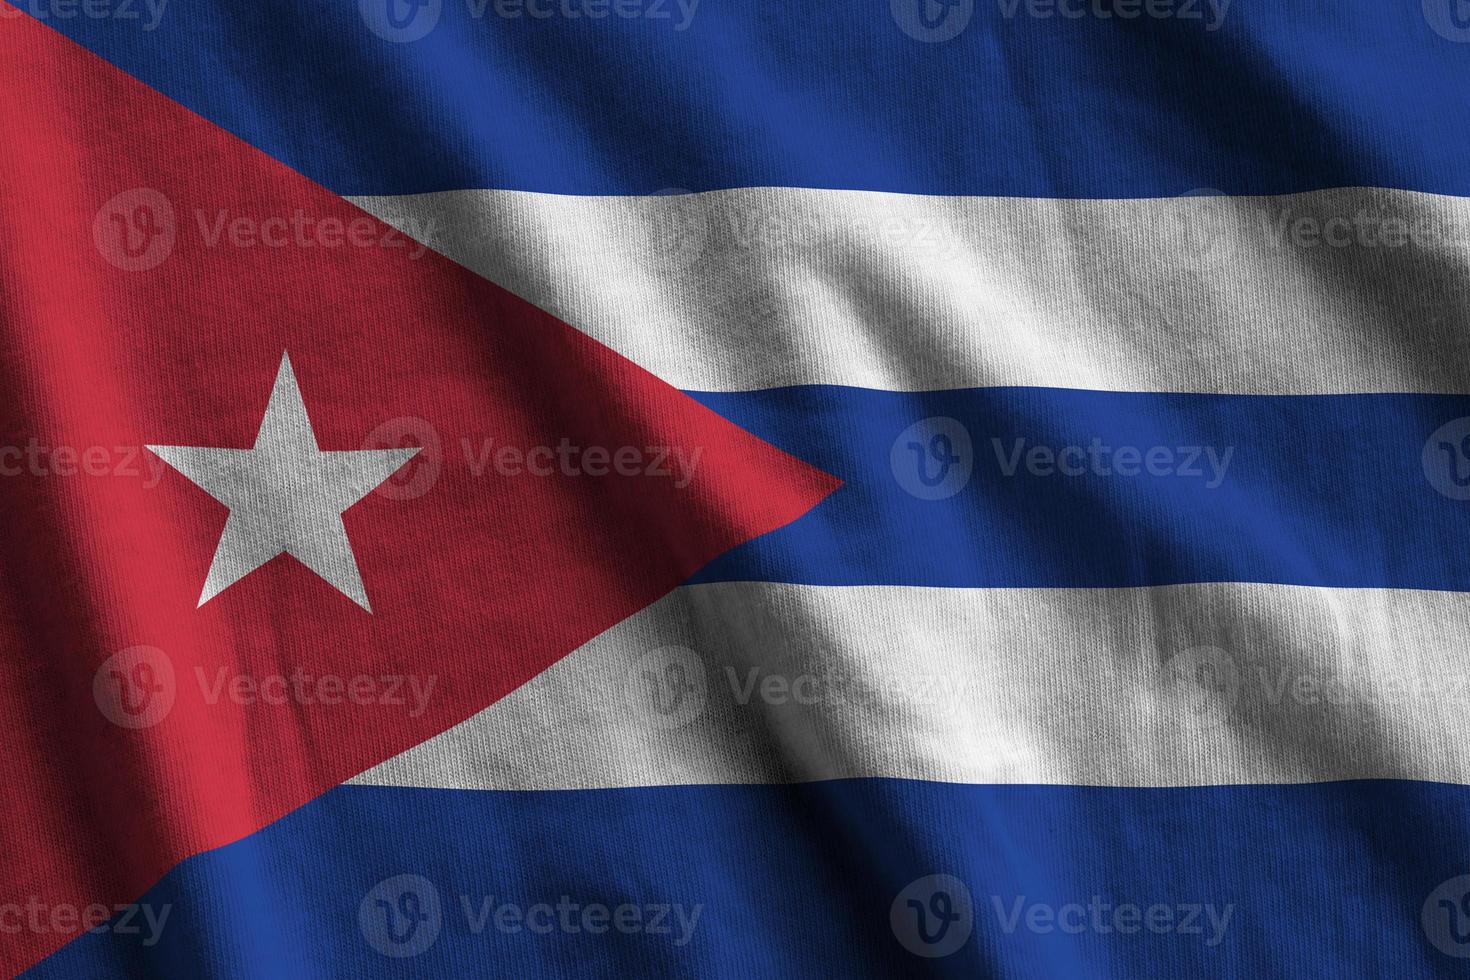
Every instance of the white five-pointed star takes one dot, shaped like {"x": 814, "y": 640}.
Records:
{"x": 286, "y": 496}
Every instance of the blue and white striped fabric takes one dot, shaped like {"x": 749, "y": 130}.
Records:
{"x": 1134, "y": 643}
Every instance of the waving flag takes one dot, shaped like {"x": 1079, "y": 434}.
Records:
{"x": 666, "y": 487}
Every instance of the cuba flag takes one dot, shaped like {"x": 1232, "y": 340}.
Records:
{"x": 689, "y": 488}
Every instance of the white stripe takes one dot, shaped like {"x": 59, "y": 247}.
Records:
{"x": 764, "y": 287}
{"x": 1162, "y": 686}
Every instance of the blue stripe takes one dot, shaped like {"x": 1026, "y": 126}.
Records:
{"x": 1321, "y": 880}
{"x": 1318, "y": 490}
{"x": 1278, "y": 99}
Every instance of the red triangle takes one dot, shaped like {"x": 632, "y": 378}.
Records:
{"x": 477, "y": 585}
